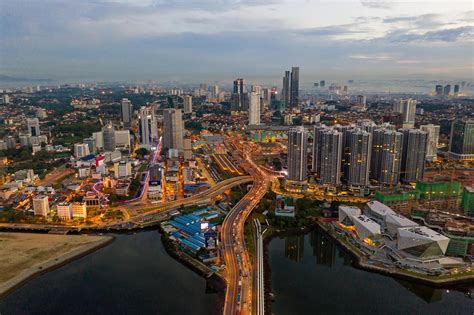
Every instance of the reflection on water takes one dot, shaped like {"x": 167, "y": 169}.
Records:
{"x": 311, "y": 274}
{"x": 294, "y": 247}
{"x": 133, "y": 275}
{"x": 429, "y": 294}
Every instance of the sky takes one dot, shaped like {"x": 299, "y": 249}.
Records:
{"x": 216, "y": 40}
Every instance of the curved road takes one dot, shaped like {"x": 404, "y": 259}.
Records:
{"x": 239, "y": 293}
{"x": 219, "y": 188}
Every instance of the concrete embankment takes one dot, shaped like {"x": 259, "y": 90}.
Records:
{"x": 214, "y": 282}
{"x": 362, "y": 263}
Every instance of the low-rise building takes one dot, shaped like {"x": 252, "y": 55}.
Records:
{"x": 284, "y": 207}
{"x": 79, "y": 210}
{"x": 394, "y": 221}
{"x": 64, "y": 210}
{"x": 421, "y": 242}
{"x": 366, "y": 227}
{"x": 122, "y": 188}
{"x": 41, "y": 205}
{"x": 377, "y": 210}
{"x": 346, "y": 213}
{"x": 7, "y": 192}
{"x": 92, "y": 200}
{"x": 123, "y": 169}
{"x": 27, "y": 175}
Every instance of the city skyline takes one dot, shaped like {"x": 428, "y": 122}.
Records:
{"x": 174, "y": 40}
{"x": 244, "y": 153}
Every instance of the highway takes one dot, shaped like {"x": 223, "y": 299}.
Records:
{"x": 152, "y": 214}
{"x": 239, "y": 270}
{"x": 259, "y": 283}
{"x": 203, "y": 197}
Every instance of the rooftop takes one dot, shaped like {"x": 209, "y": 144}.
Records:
{"x": 399, "y": 220}
{"x": 350, "y": 210}
{"x": 367, "y": 222}
{"x": 379, "y": 208}
{"x": 421, "y": 231}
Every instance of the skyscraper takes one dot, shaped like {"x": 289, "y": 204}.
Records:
{"x": 331, "y": 153}
{"x": 316, "y": 152}
{"x": 408, "y": 110}
{"x": 386, "y": 156}
{"x": 322, "y": 83}
{"x": 173, "y": 126}
{"x": 461, "y": 144}
{"x": 203, "y": 87}
{"x": 358, "y": 157}
{"x": 447, "y": 89}
{"x": 127, "y": 112}
{"x": 439, "y": 90}
{"x": 238, "y": 96}
{"x": 433, "y": 137}
{"x": 294, "y": 86}
{"x": 266, "y": 98}
{"x": 456, "y": 89}
{"x": 413, "y": 154}
{"x": 285, "y": 91}
{"x": 148, "y": 129}
{"x": 345, "y": 159}
{"x": 361, "y": 101}
{"x": 254, "y": 108}
{"x": 215, "y": 91}
{"x": 367, "y": 125}
{"x": 33, "y": 126}
{"x": 108, "y": 134}
{"x": 297, "y": 154}
{"x": 188, "y": 104}
{"x": 239, "y": 86}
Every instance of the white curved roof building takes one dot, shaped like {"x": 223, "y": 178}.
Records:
{"x": 346, "y": 213}
{"x": 366, "y": 227}
{"x": 378, "y": 210}
{"x": 421, "y": 241}
{"x": 394, "y": 221}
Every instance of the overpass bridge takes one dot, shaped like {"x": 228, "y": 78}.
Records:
{"x": 203, "y": 197}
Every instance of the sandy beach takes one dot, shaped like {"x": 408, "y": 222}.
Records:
{"x": 24, "y": 255}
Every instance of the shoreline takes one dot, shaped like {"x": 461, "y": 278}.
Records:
{"x": 267, "y": 271}
{"x": 51, "y": 264}
{"x": 356, "y": 263}
{"x": 439, "y": 283}
{"x": 214, "y": 282}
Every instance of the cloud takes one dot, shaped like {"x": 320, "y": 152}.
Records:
{"x": 444, "y": 35}
{"x": 179, "y": 38}
{"x": 409, "y": 61}
{"x": 372, "y": 57}
{"x": 377, "y": 4}
{"x": 467, "y": 17}
{"x": 330, "y": 30}
{"x": 424, "y": 21}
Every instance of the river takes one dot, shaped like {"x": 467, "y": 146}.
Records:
{"x": 311, "y": 274}
{"x": 132, "y": 275}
